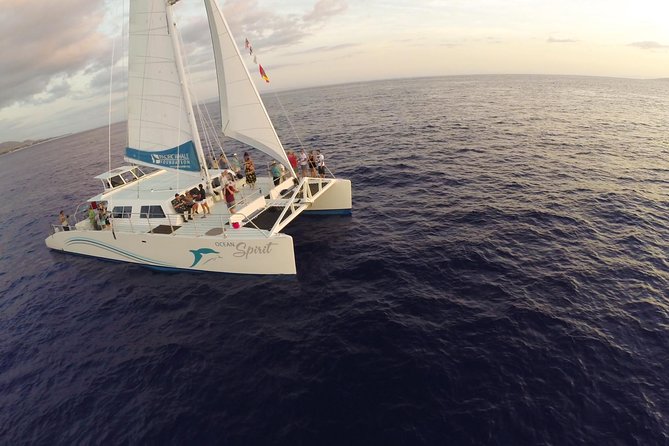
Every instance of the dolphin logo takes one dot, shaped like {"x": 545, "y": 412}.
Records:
{"x": 198, "y": 253}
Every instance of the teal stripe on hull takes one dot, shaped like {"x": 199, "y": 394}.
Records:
{"x": 128, "y": 255}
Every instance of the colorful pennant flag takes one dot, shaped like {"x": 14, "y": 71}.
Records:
{"x": 246, "y": 43}
{"x": 263, "y": 74}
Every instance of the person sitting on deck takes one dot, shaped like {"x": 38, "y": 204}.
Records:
{"x": 180, "y": 207}
{"x": 190, "y": 201}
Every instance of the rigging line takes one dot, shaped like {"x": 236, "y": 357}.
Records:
{"x": 205, "y": 129}
{"x": 111, "y": 83}
{"x": 290, "y": 122}
{"x": 205, "y": 118}
{"x": 214, "y": 131}
{"x": 209, "y": 120}
{"x": 188, "y": 93}
{"x": 125, "y": 64}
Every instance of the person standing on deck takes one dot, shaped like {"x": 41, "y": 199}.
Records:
{"x": 303, "y": 163}
{"x": 292, "y": 159}
{"x": 320, "y": 160}
{"x": 312, "y": 163}
{"x": 236, "y": 166}
{"x": 276, "y": 173}
{"x": 64, "y": 223}
{"x": 250, "y": 170}
{"x": 91, "y": 216}
{"x": 230, "y": 196}
{"x": 202, "y": 201}
{"x": 221, "y": 162}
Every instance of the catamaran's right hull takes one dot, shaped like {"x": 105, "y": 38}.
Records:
{"x": 335, "y": 200}
{"x": 235, "y": 254}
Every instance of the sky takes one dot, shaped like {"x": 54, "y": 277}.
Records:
{"x": 55, "y": 62}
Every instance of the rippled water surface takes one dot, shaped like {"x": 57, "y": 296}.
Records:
{"x": 502, "y": 280}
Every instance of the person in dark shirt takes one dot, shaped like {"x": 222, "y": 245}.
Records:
{"x": 180, "y": 206}
{"x": 202, "y": 201}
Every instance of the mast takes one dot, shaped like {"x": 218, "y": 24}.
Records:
{"x": 186, "y": 92}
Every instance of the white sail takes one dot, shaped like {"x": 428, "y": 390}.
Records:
{"x": 243, "y": 114}
{"x": 159, "y": 130}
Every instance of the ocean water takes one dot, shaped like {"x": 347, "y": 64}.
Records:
{"x": 503, "y": 280}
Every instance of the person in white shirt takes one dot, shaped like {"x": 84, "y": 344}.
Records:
{"x": 320, "y": 162}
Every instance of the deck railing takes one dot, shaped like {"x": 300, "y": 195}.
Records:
{"x": 139, "y": 222}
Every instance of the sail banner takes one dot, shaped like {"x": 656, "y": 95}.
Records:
{"x": 243, "y": 114}
{"x": 183, "y": 157}
{"x": 159, "y": 130}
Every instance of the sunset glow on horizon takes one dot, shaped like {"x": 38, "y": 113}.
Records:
{"x": 56, "y": 77}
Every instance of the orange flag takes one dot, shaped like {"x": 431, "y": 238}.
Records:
{"x": 263, "y": 74}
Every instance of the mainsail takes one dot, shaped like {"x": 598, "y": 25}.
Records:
{"x": 243, "y": 114}
{"x": 159, "y": 130}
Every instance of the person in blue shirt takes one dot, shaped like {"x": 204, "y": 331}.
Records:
{"x": 275, "y": 169}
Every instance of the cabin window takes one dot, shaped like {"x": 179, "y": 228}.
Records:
{"x": 151, "y": 212}
{"x": 122, "y": 211}
{"x": 116, "y": 181}
{"x": 138, "y": 172}
{"x": 128, "y": 177}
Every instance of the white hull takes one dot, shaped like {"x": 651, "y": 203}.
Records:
{"x": 337, "y": 199}
{"x": 203, "y": 244}
{"x": 233, "y": 254}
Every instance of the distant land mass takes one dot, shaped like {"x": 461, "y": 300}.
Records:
{"x": 11, "y": 146}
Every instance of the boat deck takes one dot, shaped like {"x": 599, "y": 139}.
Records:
{"x": 261, "y": 210}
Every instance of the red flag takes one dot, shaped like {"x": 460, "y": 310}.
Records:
{"x": 263, "y": 74}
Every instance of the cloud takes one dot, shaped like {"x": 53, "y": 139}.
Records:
{"x": 647, "y": 45}
{"x": 554, "y": 40}
{"x": 322, "y": 49}
{"x": 265, "y": 29}
{"x": 57, "y": 88}
{"x": 324, "y": 9}
{"x": 41, "y": 49}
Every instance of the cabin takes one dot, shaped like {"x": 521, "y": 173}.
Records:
{"x": 138, "y": 200}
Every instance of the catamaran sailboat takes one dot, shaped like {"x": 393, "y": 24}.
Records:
{"x": 166, "y": 158}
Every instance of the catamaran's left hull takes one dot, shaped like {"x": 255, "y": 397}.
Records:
{"x": 240, "y": 254}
